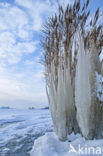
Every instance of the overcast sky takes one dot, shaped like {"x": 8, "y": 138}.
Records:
{"x": 21, "y": 76}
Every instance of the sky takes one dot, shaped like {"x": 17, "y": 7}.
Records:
{"x": 22, "y": 83}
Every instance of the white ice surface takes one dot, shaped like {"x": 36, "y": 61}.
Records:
{"x": 16, "y": 124}
{"x": 49, "y": 145}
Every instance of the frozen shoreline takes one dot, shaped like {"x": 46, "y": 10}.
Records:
{"x": 19, "y": 129}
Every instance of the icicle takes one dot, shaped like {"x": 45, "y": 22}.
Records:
{"x": 82, "y": 90}
{"x": 52, "y": 96}
{"x": 61, "y": 110}
{"x": 69, "y": 101}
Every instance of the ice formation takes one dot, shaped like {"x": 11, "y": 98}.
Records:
{"x": 82, "y": 89}
{"x": 74, "y": 71}
{"x": 62, "y": 100}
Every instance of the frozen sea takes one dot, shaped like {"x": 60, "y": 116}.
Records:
{"x": 19, "y": 129}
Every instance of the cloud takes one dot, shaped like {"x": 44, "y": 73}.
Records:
{"x": 24, "y": 86}
{"x": 37, "y": 10}
{"x": 12, "y": 52}
{"x": 21, "y": 76}
{"x": 12, "y": 18}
